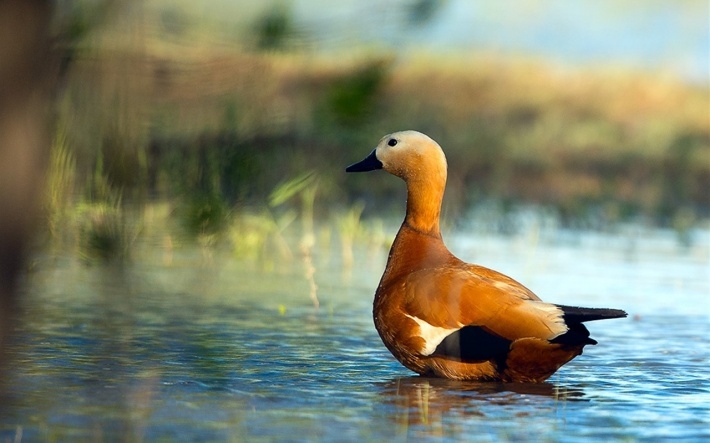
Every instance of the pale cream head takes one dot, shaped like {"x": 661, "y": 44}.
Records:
{"x": 412, "y": 155}
{"x": 421, "y": 163}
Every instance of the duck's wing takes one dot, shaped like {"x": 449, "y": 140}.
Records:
{"x": 481, "y": 312}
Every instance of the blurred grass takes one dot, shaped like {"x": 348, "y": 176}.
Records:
{"x": 165, "y": 112}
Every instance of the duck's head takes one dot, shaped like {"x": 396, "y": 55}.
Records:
{"x": 406, "y": 154}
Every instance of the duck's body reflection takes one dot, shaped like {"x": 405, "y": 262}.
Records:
{"x": 423, "y": 405}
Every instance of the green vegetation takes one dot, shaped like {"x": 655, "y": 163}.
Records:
{"x": 226, "y": 135}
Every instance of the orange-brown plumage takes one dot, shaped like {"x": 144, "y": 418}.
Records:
{"x": 443, "y": 317}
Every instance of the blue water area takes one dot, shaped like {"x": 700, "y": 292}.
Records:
{"x": 221, "y": 350}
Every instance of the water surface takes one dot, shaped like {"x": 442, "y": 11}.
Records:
{"x": 205, "y": 347}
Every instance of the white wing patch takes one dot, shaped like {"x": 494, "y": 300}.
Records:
{"x": 432, "y": 335}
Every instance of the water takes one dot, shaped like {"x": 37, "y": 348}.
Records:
{"x": 200, "y": 348}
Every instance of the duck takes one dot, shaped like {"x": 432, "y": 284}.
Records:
{"x": 442, "y": 317}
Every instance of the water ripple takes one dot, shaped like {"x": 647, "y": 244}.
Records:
{"x": 163, "y": 366}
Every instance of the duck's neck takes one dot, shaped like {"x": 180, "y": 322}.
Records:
{"x": 424, "y": 205}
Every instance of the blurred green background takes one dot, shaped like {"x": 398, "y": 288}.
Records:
{"x": 229, "y": 120}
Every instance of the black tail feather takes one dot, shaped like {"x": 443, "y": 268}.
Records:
{"x": 577, "y": 334}
{"x": 573, "y": 314}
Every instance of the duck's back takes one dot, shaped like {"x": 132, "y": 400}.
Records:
{"x": 441, "y": 316}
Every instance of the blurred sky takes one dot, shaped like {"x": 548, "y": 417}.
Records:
{"x": 670, "y": 36}
{"x": 665, "y": 35}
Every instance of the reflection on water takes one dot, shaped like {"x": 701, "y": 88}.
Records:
{"x": 426, "y": 406}
{"x": 217, "y": 350}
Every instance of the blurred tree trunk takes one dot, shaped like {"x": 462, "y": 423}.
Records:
{"x": 25, "y": 81}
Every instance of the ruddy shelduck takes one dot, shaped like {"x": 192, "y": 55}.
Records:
{"x": 440, "y": 316}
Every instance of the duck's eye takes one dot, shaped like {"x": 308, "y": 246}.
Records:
{"x": 392, "y": 142}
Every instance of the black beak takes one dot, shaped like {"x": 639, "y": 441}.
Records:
{"x": 369, "y": 163}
